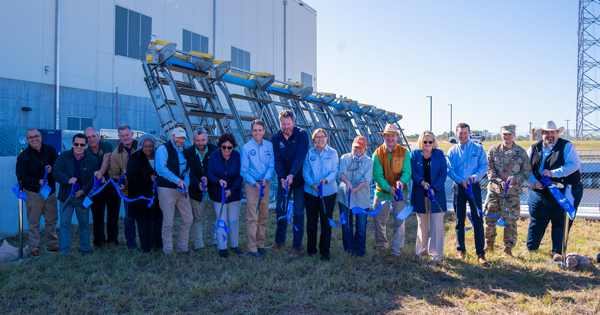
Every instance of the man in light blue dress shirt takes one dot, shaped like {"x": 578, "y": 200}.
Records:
{"x": 467, "y": 160}
{"x": 258, "y": 165}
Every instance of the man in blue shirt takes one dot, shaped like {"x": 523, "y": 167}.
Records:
{"x": 556, "y": 158}
{"x": 467, "y": 161}
{"x": 258, "y": 165}
{"x": 173, "y": 174}
{"x": 290, "y": 146}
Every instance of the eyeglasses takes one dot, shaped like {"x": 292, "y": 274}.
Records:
{"x": 147, "y": 147}
{"x": 33, "y": 137}
{"x": 226, "y": 148}
{"x": 428, "y": 142}
{"x": 320, "y": 137}
{"x": 79, "y": 144}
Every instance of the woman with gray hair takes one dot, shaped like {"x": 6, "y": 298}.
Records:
{"x": 141, "y": 174}
{"x": 429, "y": 175}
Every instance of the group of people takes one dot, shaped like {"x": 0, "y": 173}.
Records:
{"x": 205, "y": 183}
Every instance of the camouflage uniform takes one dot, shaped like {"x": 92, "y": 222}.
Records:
{"x": 504, "y": 163}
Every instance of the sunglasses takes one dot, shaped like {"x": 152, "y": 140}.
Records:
{"x": 79, "y": 144}
{"x": 226, "y": 148}
{"x": 428, "y": 142}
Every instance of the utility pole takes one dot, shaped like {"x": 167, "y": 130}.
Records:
{"x": 567, "y": 120}
{"x": 450, "y": 120}
{"x": 530, "y": 133}
{"x": 430, "y": 112}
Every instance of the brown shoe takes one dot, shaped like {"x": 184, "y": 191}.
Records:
{"x": 481, "y": 259}
{"x": 295, "y": 252}
{"x": 489, "y": 247}
{"x": 461, "y": 255}
{"x": 277, "y": 245}
{"x": 36, "y": 253}
{"x": 557, "y": 257}
{"x": 507, "y": 252}
{"x": 53, "y": 251}
{"x": 393, "y": 257}
{"x": 377, "y": 251}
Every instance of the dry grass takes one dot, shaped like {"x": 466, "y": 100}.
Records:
{"x": 119, "y": 281}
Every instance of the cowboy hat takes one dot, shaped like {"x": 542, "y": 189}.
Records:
{"x": 390, "y": 129}
{"x": 549, "y": 126}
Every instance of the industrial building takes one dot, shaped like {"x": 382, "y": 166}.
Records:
{"x": 73, "y": 64}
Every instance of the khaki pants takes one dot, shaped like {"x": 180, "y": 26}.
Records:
{"x": 381, "y": 218}
{"x": 169, "y": 199}
{"x": 256, "y": 221}
{"x": 199, "y": 212}
{"x": 36, "y": 207}
{"x": 430, "y": 232}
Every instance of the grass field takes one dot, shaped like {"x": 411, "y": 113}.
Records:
{"x": 119, "y": 281}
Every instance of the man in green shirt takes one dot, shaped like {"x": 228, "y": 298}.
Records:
{"x": 391, "y": 172}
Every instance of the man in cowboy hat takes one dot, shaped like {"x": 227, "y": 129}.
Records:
{"x": 467, "y": 163}
{"x": 508, "y": 165}
{"x": 391, "y": 172}
{"x": 556, "y": 158}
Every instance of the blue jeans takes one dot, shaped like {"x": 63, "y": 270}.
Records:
{"x": 83, "y": 219}
{"x": 460, "y": 208}
{"x": 129, "y": 228}
{"x": 355, "y": 243}
{"x": 545, "y": 210}
{"x": 297, "y": 195}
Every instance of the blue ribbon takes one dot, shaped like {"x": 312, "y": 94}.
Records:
{"x": 469, "y": 191}
{"x": 20, "y": 194}
{"x": 321, "y": 191}
{"x": 564, "y": 202}
{"x": 399, "y": 196}
{"x": 45, "y": 190}
{"x": 343, "y": 215}
{"x": 403, "y": 215}
{"x": 203, "y": 190}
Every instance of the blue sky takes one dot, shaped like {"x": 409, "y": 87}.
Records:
{"x": 496, "y": 61}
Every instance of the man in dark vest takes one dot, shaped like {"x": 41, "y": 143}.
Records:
{"x": 173, "y": 174}
{"x": 556, "y": 158}
{"x": 197, "y": 155}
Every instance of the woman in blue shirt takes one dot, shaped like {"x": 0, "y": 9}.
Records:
{"x": 320, "y": 167}
{"x": 429, "y": 171}
{"x": 224, "y": 170}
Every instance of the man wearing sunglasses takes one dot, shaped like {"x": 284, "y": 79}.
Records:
{"x": 32, "y": 165}
{"x": 508, "y": 165}
{"x": 467, "y": 163}
{"x": 74, "y": 171}
{"x": 173, "y": 181}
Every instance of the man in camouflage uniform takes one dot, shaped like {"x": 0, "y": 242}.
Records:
{"x": 507, "y": 161}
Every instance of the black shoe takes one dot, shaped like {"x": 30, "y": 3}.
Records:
{"x": 325, "y": 257}
{"x": 223, "y": 253}
{"x": 254, "y": 255}
{"x": 85, "y": 253}
{"x": 263, "y": 251}
{"x": 187, "y": 252}
{"x": 237, "y": 251}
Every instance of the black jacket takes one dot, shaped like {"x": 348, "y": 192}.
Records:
{"x": 64, "y": 169}
{"x": 289, "y": 155}
{"x": 31, "y": 166}
{"x": 139, "y": 173}
{"x": 197, "y": 169}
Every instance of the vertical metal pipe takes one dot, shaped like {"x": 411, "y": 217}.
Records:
{"x": 20, "y": 223}
{"x": 430, "y": 112}
{"x": 285, "y": 3}
{"x": 57, "y": 78}
{"x": 117, "y": 107}
{"x": 214, "y": 52}
{"x": 450, "y": 135}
